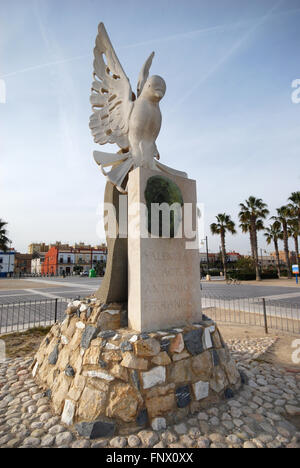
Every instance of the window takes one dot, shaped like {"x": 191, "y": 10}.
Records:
{"x": 1, "y": 260}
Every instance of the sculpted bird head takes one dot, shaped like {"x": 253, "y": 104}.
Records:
{"x": 154, "y": 88}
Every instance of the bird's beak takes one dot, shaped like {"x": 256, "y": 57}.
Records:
{"x": 158, "y": 93}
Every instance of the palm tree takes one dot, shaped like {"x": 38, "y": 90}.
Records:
{"x": 295, "y": 199}
{"x": 284, "y": 213}
{"x": 274, "y": 234}
{"x": 224, "y": 224}
{"x": 245, "y": 227}
{"x": 293, "y": 231}
{"x": 252, "y": 213}
{"x": 4, "y": 241}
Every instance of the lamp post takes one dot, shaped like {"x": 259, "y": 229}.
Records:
{"x": 261, "y": 256}
{"x": 9, "y": 254}
{"x": 207, "y": 256}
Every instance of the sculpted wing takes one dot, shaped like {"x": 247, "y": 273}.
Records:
{"x": 111, "y": 96}
{"x": 143, "y": 76}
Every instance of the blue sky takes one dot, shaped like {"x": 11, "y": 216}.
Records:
{"x": 228, "y": 117}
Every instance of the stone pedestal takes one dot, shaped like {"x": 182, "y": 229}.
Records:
{"x": 114, "y": 286}
{"x": 163, "y": 273}
{"x": 106, "y": 379}
{"x": 107, "y": 375}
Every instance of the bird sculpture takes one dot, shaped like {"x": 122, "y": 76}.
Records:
{"x": 133, "y": 122}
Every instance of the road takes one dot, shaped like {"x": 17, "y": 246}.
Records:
{"x": 68, "y": 288}
{"x": 49, "y": 288}
{"x": 220, "y": 289}
{"x": 32, "y": 302}
{"x": 244, "y": 303}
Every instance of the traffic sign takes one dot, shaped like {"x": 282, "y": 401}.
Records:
{"x": 295, "y": 269}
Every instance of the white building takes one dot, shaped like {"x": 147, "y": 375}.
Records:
{"x": 36, "y": 265}
{"x": 267, "y": 260}
{"x": 88, "y": 258}
{"x": 66, "y": 262}
{"x": 7, "y": 263}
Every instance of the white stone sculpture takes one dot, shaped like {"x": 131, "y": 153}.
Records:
{"x": 119, "y": 117}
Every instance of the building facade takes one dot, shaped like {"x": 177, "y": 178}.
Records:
{"x": 72, "y": 260}
{"x": 36, "y": 264}
{"x": 58, "y": 262}
{"x": 233, "y": 256}
{"x": 87, "y": 258}
{"x": 38, "y": 248}
{"x": 7, "y": 263}
{"x": 292, "y": 255}
{"x": 22, "y": 264}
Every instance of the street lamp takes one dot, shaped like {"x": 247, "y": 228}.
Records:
{"x": 9, "y": 253}
{"x": 261, "y": 256}
{"x": 207, "y": 256}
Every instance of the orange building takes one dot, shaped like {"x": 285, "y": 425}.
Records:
{"x": 61, "y": 260}
{"x": 49, "y": 266}
{"x": 292, "y": 255}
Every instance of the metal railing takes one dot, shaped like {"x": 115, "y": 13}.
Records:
{"x": 261, "y": 312}
{"x": 21, "y": 316}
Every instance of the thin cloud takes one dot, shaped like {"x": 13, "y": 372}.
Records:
{"x": 175, "y": 37}
{"x": 188, "y": 35}
{"x": 228, "y": 54}
{"x": 44, "y": 65}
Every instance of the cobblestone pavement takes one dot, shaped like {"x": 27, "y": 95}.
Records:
{"x": 258, "y": 417}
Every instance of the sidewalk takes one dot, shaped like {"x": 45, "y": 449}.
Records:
{"x": 283, "y": 282}
{"x": 19, "y": 284}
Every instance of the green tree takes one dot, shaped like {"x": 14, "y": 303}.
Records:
{"x": 274, "y": 234}
{"x": 224, "y": 224}
{"x": 293, "y": 231}
{"x": 284, "y": 213}
{"x": 4, "y": 241}
{"x": 245, "y": 265}
{"x": 252, "y": 214}
{"x": 295, "y": 205}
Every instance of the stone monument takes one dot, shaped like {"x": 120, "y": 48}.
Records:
{"x": 139, "y": 351}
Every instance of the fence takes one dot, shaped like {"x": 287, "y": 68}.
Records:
{"x": 21, "y": 316}
{"x": 270, "y": 314}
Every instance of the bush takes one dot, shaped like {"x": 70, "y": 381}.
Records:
{"x": 214, "y": 271}
{"x": 284, "y": 273}
{"x": 245, "y": 276}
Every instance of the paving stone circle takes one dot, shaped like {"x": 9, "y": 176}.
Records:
{"x": 259, "y": 416}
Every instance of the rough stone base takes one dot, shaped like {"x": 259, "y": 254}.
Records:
{"x": 107, "y": 379}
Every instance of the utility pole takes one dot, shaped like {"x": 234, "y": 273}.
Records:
{"x": 207, "y": 256}
{"x": 9, "y": 254}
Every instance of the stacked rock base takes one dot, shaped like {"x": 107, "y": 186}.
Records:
{"x": 109, "y": 380}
